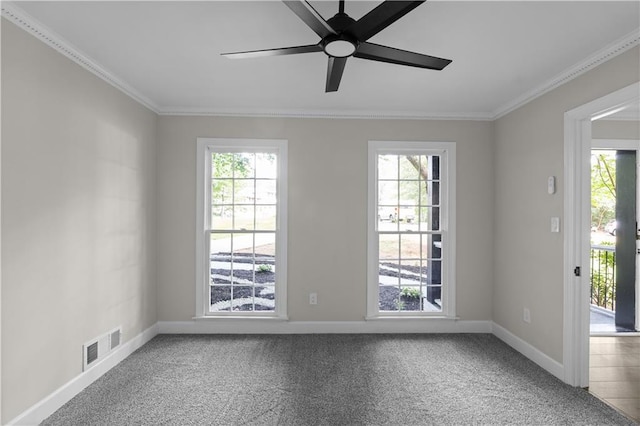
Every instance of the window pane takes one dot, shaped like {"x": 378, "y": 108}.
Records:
{"x": 407, "y": 218}
{"x": 410, "y": 273}
{"x": 243, "y": 217}
{"x": 432, "y": 302}
{"x": 266, "y": 166}
{"x": 265, "y": 298}
{"x": 387, "y": 218}
{"x": 410, "y": 298}
{"x": 243, "y": 191}
{"x": 434, "y": 193}
{"x": 242, "y": 260}
{"x": 244, "y": 164}
{"x": 409, "y": 192}
{"x": 220, "y": 259}
{"x": 389, "y": 298}
{"x": 220, "y": 298}
{"x": 242, "y": 269}
{"x": 266, "y": 248}
{"x": 410, "y": 246}
{"x": 388, "y": 192}
{"x": 242, "y": 298}
{"x": 431, "y": 246}
{"x": 266, "y": 218}
{"x": 435, "y": 167}
{"x": 388, "y": 273}
{"x": 242, "y": 244}
{"x": 429, "y": 219}
{"x": 387, "y": 167}
{"x": 265, "y": 191}
{"x": 424, "y": 194}
{"x": 408, "y": 225}
{"x": 221, "y": 217}
{"x": 425, "y": 165}
{"x": 388, "y": 246}
{"x": 409, "y": 165}
{"x": 221, "y": 165}
{"x": 434, "y": 272}
{"x": 221, "y": 191}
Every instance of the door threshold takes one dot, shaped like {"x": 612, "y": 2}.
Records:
{"x": 614, "y": 333}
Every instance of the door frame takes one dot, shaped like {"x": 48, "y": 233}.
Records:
{"x": 577, "y": 154}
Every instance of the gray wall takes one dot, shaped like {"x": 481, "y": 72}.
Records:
{"x": 78, "y": 217}
{"x": 327, "y": 209}
{"x": 528, "y": 258}
{"x": 615, "y": 129}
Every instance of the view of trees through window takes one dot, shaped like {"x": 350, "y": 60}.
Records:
{"x": 603, "y": 189}
{"x": 243, "y": 231}
{"x": 410, "y": 241}
{"x": 603, "y": 228}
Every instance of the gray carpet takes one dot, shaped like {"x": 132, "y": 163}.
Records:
{"x": 443, "y": 379}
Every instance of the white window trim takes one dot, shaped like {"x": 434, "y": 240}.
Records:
{"x": 447, "y": 150}
{"x": 203, "y": 199}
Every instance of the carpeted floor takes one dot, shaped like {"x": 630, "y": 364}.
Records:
{"x": 441, "y": 379}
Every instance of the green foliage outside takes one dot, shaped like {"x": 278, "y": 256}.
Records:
{"x": 603, "y": 188}
{"x": 265, "y": 268}
{"x": 224, "y": 167}
{"x": 400, "y": 305}
{"x": 410, "y": 292}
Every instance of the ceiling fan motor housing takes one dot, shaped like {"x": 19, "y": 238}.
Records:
{"x": 342, "y": 44}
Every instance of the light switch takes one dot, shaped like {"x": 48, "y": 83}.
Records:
{"x": 551, "y": 185}
{"x": 555, "y": 224}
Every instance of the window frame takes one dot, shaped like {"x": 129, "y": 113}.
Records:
{"x": 204, "y": 148}
{"x": 447, "y": 153}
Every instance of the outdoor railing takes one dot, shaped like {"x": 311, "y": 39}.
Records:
{"x": 603, "y": 276}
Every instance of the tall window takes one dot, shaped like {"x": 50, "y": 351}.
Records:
{"x": 411, "y": 229}
{"x": 241, "y": 242}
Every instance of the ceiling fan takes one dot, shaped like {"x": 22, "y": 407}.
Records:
{"x": 343, "y": 36}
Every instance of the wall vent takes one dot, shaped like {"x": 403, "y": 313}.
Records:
{"x": 92, "y": 353}
{"x": 95, "y": 350}
{"x": 115, "y": 339}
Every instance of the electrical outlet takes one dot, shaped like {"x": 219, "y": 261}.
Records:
{"x": 313, "y": 298}
{"x": 526, "y": 316}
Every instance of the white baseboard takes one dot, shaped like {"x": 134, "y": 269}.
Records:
{"x": 534, "y": 354}
{"x": 239, "y": 326}
{"x": 62, "y": 395}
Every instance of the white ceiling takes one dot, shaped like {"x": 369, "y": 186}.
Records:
{"x": 168, "y": 53}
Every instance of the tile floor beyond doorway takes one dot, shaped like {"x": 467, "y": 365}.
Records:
{"x": 614, "y": 372}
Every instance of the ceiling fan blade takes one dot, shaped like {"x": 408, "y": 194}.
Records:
{"x": 274, "y": 52}
{"x": 381, "y": 17}
{"x": 376, "y": 52}
{"x": 334, "y": 73}
{"x": 310, "y": 16}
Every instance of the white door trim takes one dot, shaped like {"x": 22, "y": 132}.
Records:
{"x": 577, "y": 150}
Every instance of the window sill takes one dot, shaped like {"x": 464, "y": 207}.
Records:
{"x": 241, "y": 317}
{"x": 411, "y": 317}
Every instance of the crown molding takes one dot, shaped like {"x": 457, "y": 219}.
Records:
{"x": 32, "y": 26}
{"x": 614, "y": 49}
{"x": 332, "y": 114}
